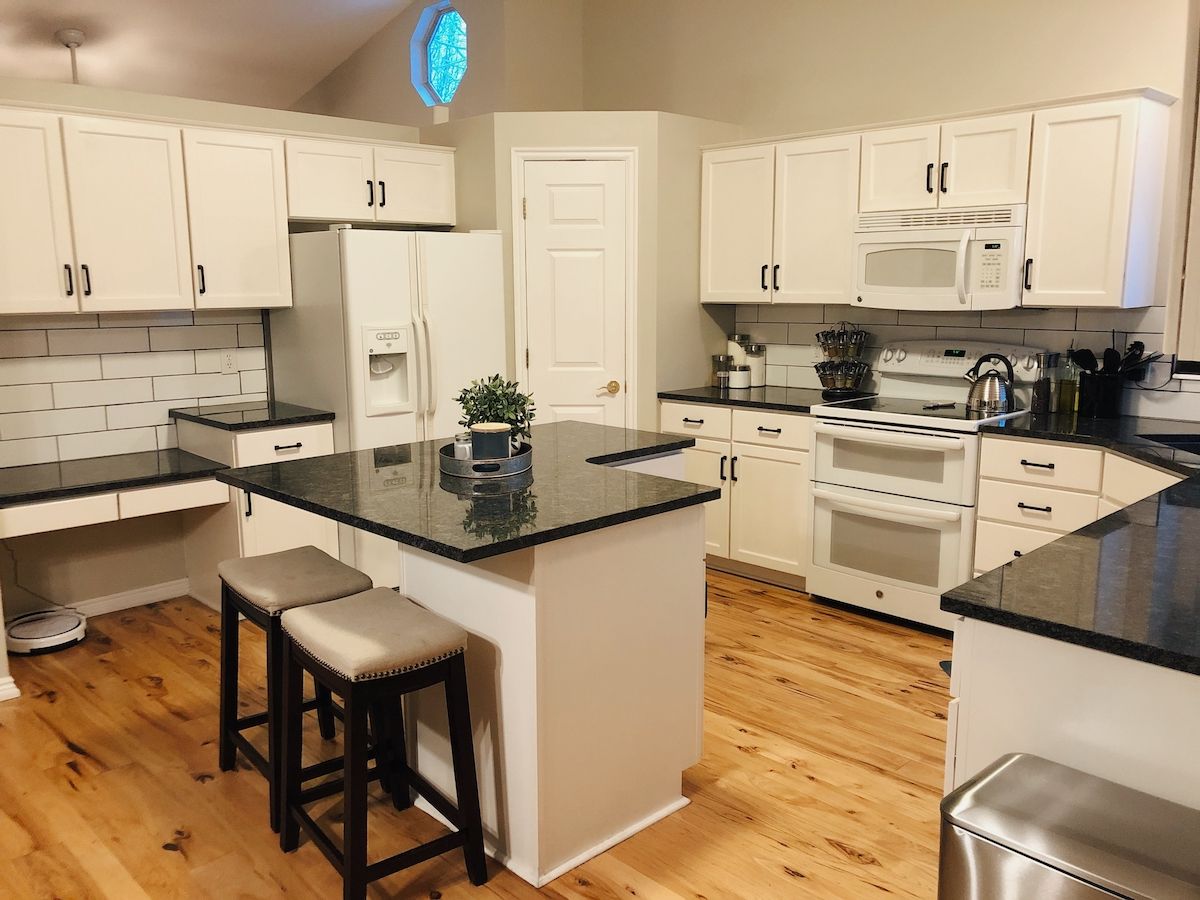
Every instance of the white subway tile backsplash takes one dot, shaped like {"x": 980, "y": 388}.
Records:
{"x": 991, "y": 335}
{"x": 60, "y": 321}
{"x": 1151, "y": 318}
{"x": 776, "y": 374}
{"x": 135, "y": 319}
{"x": 22, "y": 343}
{"x": 28, "y": 452}
{"x": 166, "y": 436}
{"x": 952, "y": 319}
{"x": 254, "y": 381}
{"x": 175, "y": 387}
{"x": 1055, "y": 319}
{"x": 194, "y": 337}
{"x": 47, "y": 369}
{"x": 227, "y": 317}
{"x": 106, "y": 443}
{"x": 790, "y": 312}
{"x": 860, "y": 316}
{"x": 250, "y": 335}
{"x": 48, "y": 422}
{"x": 790, "y": 355}
{"x": 251, "y": 358}
{"x": 231, "y": 398}
{"x": 26, "y": 397}
{"x": 77, "y": 341}
{"x": 132, "y": 365}
{"x": 137, "y": 415}
{"x": 101, "y": 393}
{"x": 764, "y": 332}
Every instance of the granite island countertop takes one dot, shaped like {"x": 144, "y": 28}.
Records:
{"x": 400, "y": 493}
{"x": 251, "y": 415}
{"x": 100, "y": 475}
{"x": 785, "y": 399}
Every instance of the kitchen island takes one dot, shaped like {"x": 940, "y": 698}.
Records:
{"x": 583, "y": 593}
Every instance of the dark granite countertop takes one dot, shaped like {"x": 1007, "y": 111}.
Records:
{"x": 100, "y": 475}
{"x": 400, "y": 493}
{"x": 247, "y": 416}
{"x": 799, "y": 400}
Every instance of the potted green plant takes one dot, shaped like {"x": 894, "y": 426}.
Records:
{"x": 497, "y": 414}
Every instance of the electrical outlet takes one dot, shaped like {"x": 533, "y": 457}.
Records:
{"x": 229, "y": 362}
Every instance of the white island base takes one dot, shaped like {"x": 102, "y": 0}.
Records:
{"x": 585, "y": 665}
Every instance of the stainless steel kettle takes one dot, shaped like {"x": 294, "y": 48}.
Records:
{"x": 991, "y": 391}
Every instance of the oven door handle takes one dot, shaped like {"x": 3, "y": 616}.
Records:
{"x": 895, "y": 511}
{"x": 960, "y": 266}
{"x": 891, "y": 438}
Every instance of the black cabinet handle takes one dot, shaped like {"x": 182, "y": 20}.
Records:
{"x": 203, "y": 286}
{"x": 249, "y": 504}
{"x": 770, "y": 430}
{"x": 775, "y": 277}
{"x": 764, "y": 277}
{"x": 1045, "y": 509}
{"x": 295, "y": 446}
{"x": 70, "y": 282}
{"x": 1028, "y": 266}
{"x": 1018, "y": 554}
{"x": 724, "y": 459}
{"x": 87, "y": 280}
{"x": 733, "y": 470}
{"x": 942, "y": 177}
{"x": 1034, "y": 465}
{"x": 687, "y": 421}
{"x": 929, "y": 178}
{"x": 382, "y": 195}
{"x": 370, "y": 192}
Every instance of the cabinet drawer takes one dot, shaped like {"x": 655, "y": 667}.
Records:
{"x": 997, "y": 544}
{"x": 1036, "y": 507}
{"x": 1126, "y": 481}
{"x": 757, "y": 426}
{"x": 270, "y": 445}
{"x": 695, "y": 420}
{"x": 1042, "y": 463}
{"x": 52, "y": 515}
{"x": 166, "y": 497}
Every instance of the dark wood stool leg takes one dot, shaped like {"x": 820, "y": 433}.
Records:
{"x": 466, "y": 782}
{"x": 324, "y": 710}
{"x": 354, "y": 868}
{"x": 227, "y": 753}
{"x": 292, "y": 691}
{"x": 378, "y": 738}
{"x": 398, "y": 740}
{"x": 275, "y": 676}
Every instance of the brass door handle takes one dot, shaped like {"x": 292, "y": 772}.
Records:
{"x": 613, "y": 387}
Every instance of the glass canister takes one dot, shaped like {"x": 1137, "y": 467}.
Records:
{"x": 721, "y": 362}
{"x": 737, "y": 347}
{"x": 739, "y": 377}
{"x": 1067, "y": 387}
{"x": 1043, "y": 384}
{"x": 756, "y": 359}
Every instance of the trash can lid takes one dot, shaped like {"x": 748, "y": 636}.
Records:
{"x": 1104, "y": 833}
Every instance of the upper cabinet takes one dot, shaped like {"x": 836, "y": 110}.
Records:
{"x": 971, "y": 162}
{"x": 737, "y": 214}
{"x": 1095, "y": 204}
{"x": 237, "y": 210}
{"x": 36, "y": 252}
{"x": 344, "y": 181}
{"x": 129, "y": 211}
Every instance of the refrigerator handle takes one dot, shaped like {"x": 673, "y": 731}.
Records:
{"x": 431, "y": 406}
{"x": 419, "y": 408}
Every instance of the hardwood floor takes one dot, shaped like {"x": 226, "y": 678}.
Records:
{"x": 821, "y": 775}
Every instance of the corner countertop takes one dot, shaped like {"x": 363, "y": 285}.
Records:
{"x": 100, "y": 475}
{"x": 786, "y": 399}
{"x": 399, "y": 492}
{"x": 247, "y": 416}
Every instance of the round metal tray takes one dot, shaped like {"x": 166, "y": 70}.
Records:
{"x": 519, "y": 462}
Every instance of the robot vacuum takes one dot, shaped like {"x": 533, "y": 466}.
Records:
{"x": 45, "y": 631}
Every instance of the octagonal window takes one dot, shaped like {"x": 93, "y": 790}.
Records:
{"x": 439, "y": 53}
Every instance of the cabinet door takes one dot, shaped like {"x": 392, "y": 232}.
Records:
{"x": 899, "y": 169}
{"x": 330, "y": 180}
{"x": 985, "y": 162}
{"x": 129, "y": 208}
{"x": 36, "y": 255}
{"x": 414, "y": 186}
{"x": 816, "y": 203}
{"x": 237, "y": 208}
{"x": 269, "y": 526}
{"x": 768, "y": 520}
{"x": 736, "y": 218}
{"x": 1080, "y": 190}
{"x": 708, "y": 463}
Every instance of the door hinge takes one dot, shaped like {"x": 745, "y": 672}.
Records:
{"x": 527, "y": 357}
{"x": 524, "y": 208}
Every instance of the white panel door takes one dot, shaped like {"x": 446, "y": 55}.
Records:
{"x": 985, "y": 162}
{"x": 129, "y": 208}
{"x": 708, "y": 463}
{"x": 576, "y": 288}
{"x": 237, "y": 208}
{"x": 816, "y": 203}
{"x": 330, "y": 180}
{"x": 768, "y": 521}
{"x": 36, "y": 254}
{"x": 736, "y": 220}
{"x": 414, "y": 186}
{"x": 899, "y": 169}
{"x": 1080, "y": 192}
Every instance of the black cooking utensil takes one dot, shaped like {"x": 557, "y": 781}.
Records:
{"x": 1112, "y": 361}
{"x": 1085, "y": 359}
{"x": 1133, "y": 356}
{"x": 1138, "y": 370}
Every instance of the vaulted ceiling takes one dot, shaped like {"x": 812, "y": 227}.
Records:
{"x": 258, "y": 52}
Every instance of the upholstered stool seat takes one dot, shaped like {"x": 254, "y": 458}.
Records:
{"x": 279, "y": 581}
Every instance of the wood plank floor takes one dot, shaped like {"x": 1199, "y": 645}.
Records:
{"x": 821, "y": 775}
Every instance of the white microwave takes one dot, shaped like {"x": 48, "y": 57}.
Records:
{"x": 965, "y": 259}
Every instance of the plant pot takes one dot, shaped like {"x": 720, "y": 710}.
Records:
{"x": 491, "y": 440}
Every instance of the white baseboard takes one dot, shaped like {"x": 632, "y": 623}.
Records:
{"x": 8, "y": 688}
{"x": 98, "y": 606}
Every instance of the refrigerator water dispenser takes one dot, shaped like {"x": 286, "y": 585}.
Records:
{"x": 388, "y": 369}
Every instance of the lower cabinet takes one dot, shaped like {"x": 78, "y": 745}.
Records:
{"x": 268, "y": 526}
{"x": 708, "y": 463}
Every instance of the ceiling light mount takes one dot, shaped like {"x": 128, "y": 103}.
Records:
{"x": 72, "y": 39}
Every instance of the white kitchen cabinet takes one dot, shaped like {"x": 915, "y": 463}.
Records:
{"x": 268, "y": 526}
{"x": 816, "y": 204}
{"x": 237, "y": 210}
{"x": 768, "y": 519}
{"x": 899, "y": 169}
{"x": 736, "y": 215}
{"x": 985, "y": 161}
{"x": 414, "y": 185}
{"x": 1127, "y": 481}
{"x": 1095, "y": 204}
{"x": 129, "y": 210}
{"x": 37, "y": 256}
{"x": 708, "y": 463}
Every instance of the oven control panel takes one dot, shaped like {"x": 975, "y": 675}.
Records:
{"x": 950, "y": 359}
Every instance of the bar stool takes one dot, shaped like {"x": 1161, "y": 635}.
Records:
{"x": 261, "y": 588}
{"x": 371, "y": 649}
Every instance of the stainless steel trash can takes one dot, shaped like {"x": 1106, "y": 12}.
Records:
{"x": 1026, "y": 827}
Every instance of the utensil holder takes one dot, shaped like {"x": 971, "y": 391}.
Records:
{"x": 1100, "y": 395}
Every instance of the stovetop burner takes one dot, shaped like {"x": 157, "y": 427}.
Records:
{"x": 951, "y": 415}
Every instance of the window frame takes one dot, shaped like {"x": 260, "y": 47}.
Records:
{"x": 427, "y": 24}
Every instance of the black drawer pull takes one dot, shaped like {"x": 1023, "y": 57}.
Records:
{"x": 295, "y": 446}
{"x": 203, "y": 283}
{"x": 770, "y": 430}
{"x": 70, "y": 282}
{"x": 775, "y": 277}
{"x": 1045, "y": 509}
{"x": 249, "y": 504}
{"x": 763, "y": 278}
{"x": 1018, "y": 554}
{"x": 87, "y": 279}
{"x": 942, "y": 177}
{"x": 1028, "y": 266}
{"x": 929, "y": 178}
{"x": 733, "y": 470}
{"x": 724, "y": 459}
{"x": 687, "y": 421}
{"x": 382, "y": 195}
{"x": 1034, "y": 465}
{"x": 370, "y": 192}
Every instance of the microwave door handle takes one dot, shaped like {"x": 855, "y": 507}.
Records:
{"x": 891, "y": 438}
{"x": 894, "y": 511}
{"x": 960, "y": 268}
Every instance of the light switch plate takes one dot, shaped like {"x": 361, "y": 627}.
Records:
{"x": 229, "y": 362}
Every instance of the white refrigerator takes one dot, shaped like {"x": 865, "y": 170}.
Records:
{"x": 385, "y": 328}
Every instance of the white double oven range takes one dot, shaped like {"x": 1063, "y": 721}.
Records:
{"x": 895, "y": 478}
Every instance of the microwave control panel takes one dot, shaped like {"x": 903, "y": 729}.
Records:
{"x": 988, "y": 264}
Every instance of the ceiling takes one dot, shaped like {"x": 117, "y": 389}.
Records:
{"x": 258, "y": 52}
